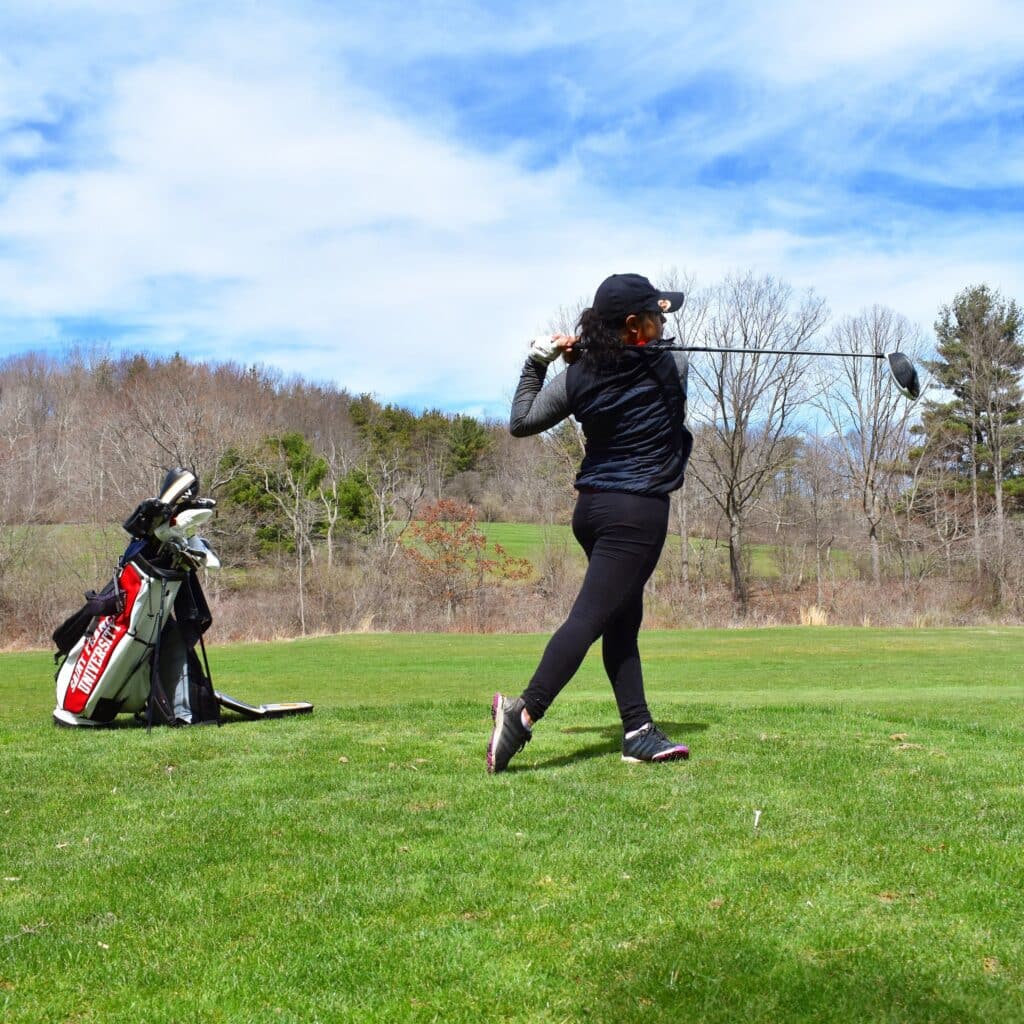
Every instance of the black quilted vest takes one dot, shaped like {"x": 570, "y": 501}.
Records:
{"x": 632, "y": 416}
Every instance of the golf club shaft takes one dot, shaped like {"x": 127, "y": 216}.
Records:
{"x": 772, "y": 351}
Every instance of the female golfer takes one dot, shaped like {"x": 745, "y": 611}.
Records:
{"x": 630, "y": 398}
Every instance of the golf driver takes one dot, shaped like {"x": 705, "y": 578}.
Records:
{"x": 900, "y": 367}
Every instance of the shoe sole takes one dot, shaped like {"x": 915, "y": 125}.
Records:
{"x": 679, "y": 754}
{"x": 498, "y": 714}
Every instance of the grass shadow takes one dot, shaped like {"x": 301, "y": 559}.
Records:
{"x": 124, "y": 722}
{"x": 131, "y": 723}
{"x": 615, "y": 731}
{"x": 726, "y": 977}
{"x": 612, "y": 744}
{"x": 598, "y": 750}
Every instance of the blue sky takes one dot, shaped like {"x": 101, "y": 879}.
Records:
{"x": 397, "y": 198}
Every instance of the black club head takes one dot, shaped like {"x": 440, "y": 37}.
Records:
{"x": 903, "y": 372}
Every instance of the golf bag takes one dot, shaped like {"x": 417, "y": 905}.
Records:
{"x": 132, "y": 647}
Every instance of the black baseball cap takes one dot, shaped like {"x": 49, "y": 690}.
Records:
{"x": 622, "y": 294}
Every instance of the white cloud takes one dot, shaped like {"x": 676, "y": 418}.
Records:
{"x": 22, "y": 145}
{"x": 234, "y": 185}
{"x": 373, "y": 250}
{"x": 805, "y": 40}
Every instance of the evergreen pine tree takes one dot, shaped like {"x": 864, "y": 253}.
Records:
{"x": 980, "y": 429}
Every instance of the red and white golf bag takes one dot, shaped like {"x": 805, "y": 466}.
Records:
{"x": 132, "y": 647}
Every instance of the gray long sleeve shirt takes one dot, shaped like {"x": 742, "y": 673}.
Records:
{"x": 536, "y": 407}
{"x": 632, "y": 418}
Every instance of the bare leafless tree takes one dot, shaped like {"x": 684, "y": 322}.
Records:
{"x": 868, "y": 415}
{"x": 749, "y": 400}
{"x": 824, "y": 494}
{"x": 686, "y": 325}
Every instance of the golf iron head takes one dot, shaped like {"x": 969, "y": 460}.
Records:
{"x": 201, "y": 553}
{"x": 903, "y": 372}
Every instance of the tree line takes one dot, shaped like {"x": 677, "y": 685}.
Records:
{"x": 821, "y": 463}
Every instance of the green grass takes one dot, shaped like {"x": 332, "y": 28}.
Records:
{"x": 85, "y": 551}
{"x": 79, "y": 552}
{"x": 530, "y": 541}
{"x": 359, "y": 865}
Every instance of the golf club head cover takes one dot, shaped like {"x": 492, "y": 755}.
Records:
{"x": 141, "y": 522}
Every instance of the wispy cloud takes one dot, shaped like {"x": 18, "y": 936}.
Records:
{"x": 396, "y": 199}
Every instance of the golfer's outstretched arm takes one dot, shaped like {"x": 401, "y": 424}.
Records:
{"x": 536, "y": 407}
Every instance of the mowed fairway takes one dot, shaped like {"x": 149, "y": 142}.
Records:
{"x": 359, "y": 865}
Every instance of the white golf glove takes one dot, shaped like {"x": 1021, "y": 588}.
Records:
{"x": 544, "y": 349}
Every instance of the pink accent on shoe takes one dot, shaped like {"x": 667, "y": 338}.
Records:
{"x": 679, "y": 752}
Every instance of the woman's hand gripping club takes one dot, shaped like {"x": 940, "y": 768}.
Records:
{"x": 546, "y": 348}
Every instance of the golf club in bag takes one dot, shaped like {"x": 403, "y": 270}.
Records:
{"x": 131, "y": 648}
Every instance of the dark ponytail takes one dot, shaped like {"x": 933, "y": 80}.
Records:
{"x": 600, "y": 343}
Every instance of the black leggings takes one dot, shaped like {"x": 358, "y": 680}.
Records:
{"x": 623, "y": 535}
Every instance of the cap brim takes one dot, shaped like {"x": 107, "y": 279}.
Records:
{"x": 669, "y": 302}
